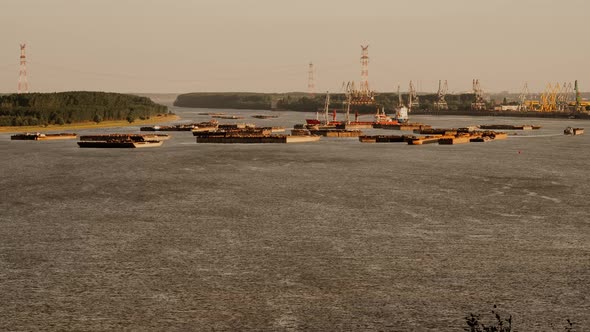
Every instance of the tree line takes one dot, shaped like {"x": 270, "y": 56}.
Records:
{"x": 302, "y": 102}
{"x": 32, "y": 109}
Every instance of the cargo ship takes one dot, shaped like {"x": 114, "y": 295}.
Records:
{"x": 42, "y": 137}
{"x": 118, "y": 141}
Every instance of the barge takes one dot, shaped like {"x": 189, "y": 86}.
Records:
{"x": 402, "y": 126}
{"x": 182, "y": 127}
{"x": 118, "y": 141}
{"x": 42, "y": 137}
{"x": 573, "y": 131}
{"x": 336, "y": 132}
{"x": 262, "y": 116}
{"x": 257, "y": 139}
{"x": 509, "y": 127}
{"x": 385, "y": 138}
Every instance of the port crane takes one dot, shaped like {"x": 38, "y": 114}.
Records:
{"x": 548, "y": 102}
{"x": 524, "y": 103}
{"x": 348, "y": 92}
{"x": 566, "y": 97}
{"x": 413, "y": 100}
{"x": 326, "y": 108}
{"x": 478, "y": 103}
{"x": 441, "y": 103}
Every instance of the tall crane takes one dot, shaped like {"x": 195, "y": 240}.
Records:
{"x": 478, "y": 103}
{"x": 326, "y": 108}
{"x": 578, "y": 98}
{"x": 441, "y": 103}
{"x": 348, "y": 92}
{"x": 565, "y": 97}
{"x": 522, "y": 99}
{"x": 413, "y": 100}
{"x": 548, "y": 101}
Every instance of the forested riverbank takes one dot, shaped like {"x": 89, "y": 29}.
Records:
{"x": 42, "y": 109}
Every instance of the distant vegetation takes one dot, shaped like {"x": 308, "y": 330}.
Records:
{"x": 302, "y": 102}
{"x": 254, "y": 101}
{"x": 33, "y": 109}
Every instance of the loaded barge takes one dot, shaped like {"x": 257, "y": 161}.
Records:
{"x": 509, "y": 127}
{"x": 211, "y": 125}
{"x": 119, "y": 141}
{"x": 446, "y": 136}
{"x": 250, "y": 135}
{"x": 42, "y": 137}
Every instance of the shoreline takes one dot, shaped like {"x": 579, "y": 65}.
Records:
{"x": 90, "y": 125}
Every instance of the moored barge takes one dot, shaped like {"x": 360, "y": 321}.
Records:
{"x": 42, "y": 137}
{"x": 118, "y": 141}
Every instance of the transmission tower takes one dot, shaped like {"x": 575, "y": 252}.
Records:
{"x": 478, "y": 102}
{"x": 441, "y": 103}
{"x": 23, "y": 85}
{"x": 364, "y": 88}
{"x": 413, "y": 97}
{"x": 311, "y": 80}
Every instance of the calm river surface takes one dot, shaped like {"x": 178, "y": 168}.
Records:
{"x": 325, "y": 236}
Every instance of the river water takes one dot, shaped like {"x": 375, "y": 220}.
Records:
{"x": 332, "y": 235}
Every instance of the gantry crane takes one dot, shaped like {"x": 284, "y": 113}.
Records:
{"x": 478, "y": 103}
{"x": 413, "y": 100}
{"x": 441, "y": 103}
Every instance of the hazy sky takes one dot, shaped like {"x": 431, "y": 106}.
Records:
{"x": 266, "y": 45}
